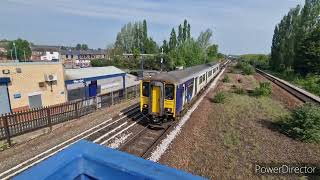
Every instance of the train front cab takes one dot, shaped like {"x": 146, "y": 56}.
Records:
{"x": 157, "y": 99}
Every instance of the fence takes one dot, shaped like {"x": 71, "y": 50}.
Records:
{"x": 22, "y": 122}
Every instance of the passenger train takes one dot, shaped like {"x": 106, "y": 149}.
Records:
{"x": 165, "y": 95}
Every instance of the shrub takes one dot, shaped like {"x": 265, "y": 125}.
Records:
{"x": 264, "y": 89}
{"x": 248, "y": 69}
{"x": 239, "y": 90}
{"x": 226, "y": 79}
{"x": 219, "y": 98}
{"x": 303, "y": 123}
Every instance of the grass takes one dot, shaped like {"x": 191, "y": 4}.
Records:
{"x": 231, "y": 139}
{"x": 226, "y": 79}
{"x": 219, "y": 98}
{"x": 4, "y": 145}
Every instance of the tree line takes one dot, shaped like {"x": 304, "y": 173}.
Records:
{"x": 296, "y": 40}
{"x": 180, "y": 49}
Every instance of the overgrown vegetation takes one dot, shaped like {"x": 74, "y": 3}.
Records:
{"x": 303, "y": 123}
{"x": 226, "y": 79}
{"x": 220, "y": 97}
{"x": 246, "y": 68}
{"x": 257, "y": 60}
{"x": 239, "y": 90}
{"x": 264, "y": 89}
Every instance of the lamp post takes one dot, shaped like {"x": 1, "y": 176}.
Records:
{"x": 15, "y": 50}
{"x": 161, "y": 61}
{"x": 11, "y": 54}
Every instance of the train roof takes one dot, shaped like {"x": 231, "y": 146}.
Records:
{"x": 180, "y": 76}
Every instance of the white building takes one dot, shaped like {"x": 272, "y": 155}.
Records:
{"x": 50, "y": 55}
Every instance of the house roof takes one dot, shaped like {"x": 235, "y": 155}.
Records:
{"x": 45, "y": 48}
{"x": 92, "y": 73}
{"x": 80, "y": 52}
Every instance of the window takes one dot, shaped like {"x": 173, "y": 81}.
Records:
{"x": 169, "y": 90}
{"x": 67, "y": 56}
{"x": 71, "y": 56}
{"x": 145, "y": 89}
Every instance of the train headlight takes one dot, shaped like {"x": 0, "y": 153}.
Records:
{"x": 169, "y": 110}
{"x": 145, "y": 105}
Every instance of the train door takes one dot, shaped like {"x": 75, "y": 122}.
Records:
{"x": 196, "y": 85}
{"x": 155, "y": 99}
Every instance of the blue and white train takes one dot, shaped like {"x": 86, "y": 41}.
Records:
{"x": 167, "y": 94}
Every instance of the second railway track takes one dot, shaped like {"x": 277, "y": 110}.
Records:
{"x": 295, "y": 91}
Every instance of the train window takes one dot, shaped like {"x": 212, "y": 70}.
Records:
{"x": 145, "y": 89}
{"x": 169, "y": 90}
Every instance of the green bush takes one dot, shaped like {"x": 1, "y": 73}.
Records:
{"x": 264, "y": 89}
{"x": 219, "y": 98}
{"x": 226, "y": 79}
{"x": 303, "y": 123}
{"x": 246, "y": 68}
{"x": 239, "y": 90}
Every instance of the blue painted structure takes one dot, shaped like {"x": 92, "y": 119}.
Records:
{"x": 86, "y": 160}
{"x": 4, "y": 80}
{"x": 179, "y": 95}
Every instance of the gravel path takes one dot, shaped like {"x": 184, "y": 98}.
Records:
{"x": 23, "y": 151}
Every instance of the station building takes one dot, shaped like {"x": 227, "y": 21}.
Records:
{"x": 84, "y": 83}
{"x": 25, "y": 85}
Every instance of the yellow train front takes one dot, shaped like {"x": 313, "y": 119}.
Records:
{"x": 164, "y": 96}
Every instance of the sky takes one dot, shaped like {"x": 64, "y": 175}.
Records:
{"x": 239, "y": 26}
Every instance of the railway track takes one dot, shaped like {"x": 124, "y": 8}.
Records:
{"x": 97, "y": 134}
{"x": 295, "y": 91}
{"x": 142, "y": 143}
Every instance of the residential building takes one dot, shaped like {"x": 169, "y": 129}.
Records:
{"x": 28, "y": 85}
{"x": 81, "y": 58}
{"x": 45, "y": 53}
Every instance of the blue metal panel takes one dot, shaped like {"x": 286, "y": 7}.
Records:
{"x": 4, "y": 80}
{"x": 93, "y": 89}
{"x": 86, "y": 160}
{"x": 94, "y": 78}
{"x": 179, "y": 98}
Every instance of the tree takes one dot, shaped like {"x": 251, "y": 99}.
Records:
{"x": 180, "y": 34}
{"x": 165, "y": 46}
{"x": 22, "y": 48}
{"x": 212, "y": 51}
{"x": 189, "y": 32}
{"x": 185, "y": 29}
{"x": 78, "y": 47}
{"x": 84, "y": 47}
{"x": 308, "y": 59}
{"x": 204, "y": 38}
{"x": 173, "y": 39}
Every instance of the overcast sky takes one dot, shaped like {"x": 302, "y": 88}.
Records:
{"x": 239, "y": 26}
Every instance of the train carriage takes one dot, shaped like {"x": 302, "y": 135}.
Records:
{"x": 165, "y": 95}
